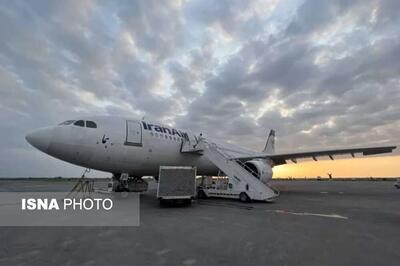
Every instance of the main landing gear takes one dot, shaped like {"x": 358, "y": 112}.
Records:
{"x": 125, "y": 183}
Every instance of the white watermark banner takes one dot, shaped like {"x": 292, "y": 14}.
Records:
{"x": 64, "y": 209}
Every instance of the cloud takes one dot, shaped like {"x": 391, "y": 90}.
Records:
{"x": 322, "y": 73}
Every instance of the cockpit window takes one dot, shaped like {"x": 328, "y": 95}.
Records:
{"x": 80, "y": 123}
{"x": 68, "y": 122}
{"x": 91, "y": 124}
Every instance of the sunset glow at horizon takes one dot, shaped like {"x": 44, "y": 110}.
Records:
{"x": 385, "y": 166}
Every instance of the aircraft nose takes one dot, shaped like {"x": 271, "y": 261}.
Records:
{"x": 40, "y": 138}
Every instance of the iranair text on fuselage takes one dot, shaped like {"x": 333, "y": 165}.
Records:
{"x": 164, "y": 130}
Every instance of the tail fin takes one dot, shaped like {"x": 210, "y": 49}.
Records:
{"x": 270, "y": 145}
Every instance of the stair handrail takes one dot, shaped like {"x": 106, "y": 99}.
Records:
{"x": 247, "y": 168}
{"x": 218, "y": 151}
{"x": 215, "y": 147}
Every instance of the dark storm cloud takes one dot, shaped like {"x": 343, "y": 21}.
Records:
{"x": 314, "y": 15}
{"x": 155, "y": 25}
{"x": 58, "y": 62}
{"x": 288, "y": 65}
{"x": 184, "y": 79}
{"x": 224, "y": 12}
{"x": 342, "y": 97}
{"x": 325, "y": 75}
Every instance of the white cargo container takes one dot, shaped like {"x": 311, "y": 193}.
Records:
{"x": 176, "y": 184}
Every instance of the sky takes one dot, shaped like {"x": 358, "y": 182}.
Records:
{"x": 322, "y": 73}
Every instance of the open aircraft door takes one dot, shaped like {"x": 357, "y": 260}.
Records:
{"x": 133, "y": 133}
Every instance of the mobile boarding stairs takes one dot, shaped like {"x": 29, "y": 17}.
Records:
{"x": 244, "y": 184}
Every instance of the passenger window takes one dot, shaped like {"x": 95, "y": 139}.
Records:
{"x": 80, "y": 123}
{"x": 91, "y": 124}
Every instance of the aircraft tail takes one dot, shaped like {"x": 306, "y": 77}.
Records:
{"x": 270, "y": 145}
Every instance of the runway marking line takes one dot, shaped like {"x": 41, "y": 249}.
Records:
{"x": 335, "y": 216}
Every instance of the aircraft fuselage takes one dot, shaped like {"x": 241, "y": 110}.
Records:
{"x": 119, "y": 145}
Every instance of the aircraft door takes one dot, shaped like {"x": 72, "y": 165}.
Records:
{"x": 133, "y": 133}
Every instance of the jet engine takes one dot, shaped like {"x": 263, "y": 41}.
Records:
{"x": 260, "y": 169}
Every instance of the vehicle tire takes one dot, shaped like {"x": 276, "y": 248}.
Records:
{"x": 187, "y": 202}
{"x": 201, "y": 194}
{"x": 243, "y": 197}
{"x": 124, "y": 194}
{"x": 163, "y": 202}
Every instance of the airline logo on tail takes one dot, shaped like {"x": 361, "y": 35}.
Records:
{"x": 270, "y": 145}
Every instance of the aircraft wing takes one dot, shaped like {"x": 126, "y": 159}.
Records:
{"x": 281, "y": 158}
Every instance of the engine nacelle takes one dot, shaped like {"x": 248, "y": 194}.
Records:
{"x": 261, "y": 169}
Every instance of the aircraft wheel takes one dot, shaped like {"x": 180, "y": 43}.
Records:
{"x": 162, "y": 202}
{"x": 201, "y": 194}
{"x": 243, "y": 197}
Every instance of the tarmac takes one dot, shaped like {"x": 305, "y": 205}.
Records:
{"x": 311, "y": 223}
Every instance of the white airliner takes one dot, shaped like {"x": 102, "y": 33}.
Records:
{"x": 138, "y": 148}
